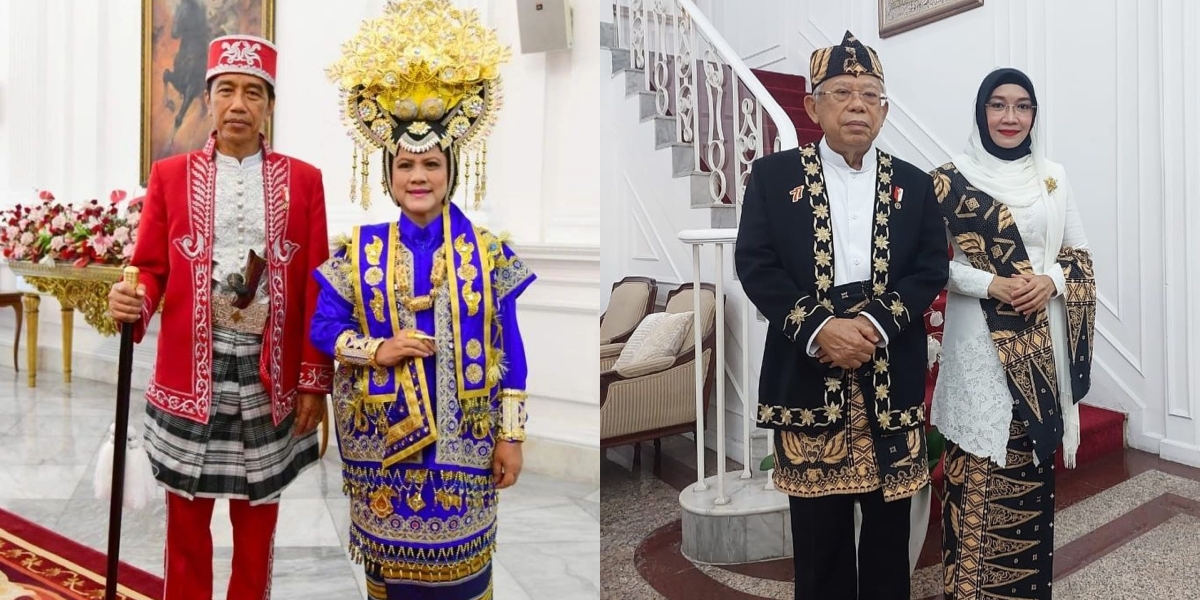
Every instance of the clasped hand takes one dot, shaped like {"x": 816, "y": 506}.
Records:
{"x": 847, "y": 343}
{"x": 1027, "y": 294}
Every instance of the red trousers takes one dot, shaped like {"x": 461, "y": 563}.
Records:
{"x": 188, "y": 572}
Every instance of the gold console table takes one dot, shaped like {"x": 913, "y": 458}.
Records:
{"x": 82, "y": 288}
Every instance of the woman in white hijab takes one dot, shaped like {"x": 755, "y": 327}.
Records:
{"x": 1019, "y": 319}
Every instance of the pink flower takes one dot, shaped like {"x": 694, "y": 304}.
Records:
{"x": 116, "y": 196}
{"x": 127, "y": 251}
{"x": 101, "y": 244}
{"x": 57, "y": 242}
{"x": 121, "y": 235}
{"x": 59, "y": 222}
{"x": 45, "y": 195}
{"x": 12, "y": 231}
{"x": 26, "y": 238}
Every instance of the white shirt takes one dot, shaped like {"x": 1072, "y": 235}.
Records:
{"x": 851, "y": 195}
{"x": 240, "y": 216}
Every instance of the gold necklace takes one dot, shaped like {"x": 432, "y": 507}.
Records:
{"x": 437, "y": 275}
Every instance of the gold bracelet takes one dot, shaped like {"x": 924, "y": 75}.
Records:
{"x": 372, "y": 350}
{"x": 512, "y": 415}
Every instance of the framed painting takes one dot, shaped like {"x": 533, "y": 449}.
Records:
{"x": 896, "y": 16}
{"x": 175, "y": 38}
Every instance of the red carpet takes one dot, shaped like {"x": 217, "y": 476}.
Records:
{"x": 38, "y": 564}
{"x": 789, "y": 91}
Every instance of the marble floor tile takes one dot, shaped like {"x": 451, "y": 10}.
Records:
{"x": 298, "y": 573}
{"x": 33, "y": 482}
{"x": 565, "y": 522}
{"x": 34, "y": 450}
{"x": 41, "y": 511}
{"x": 505, "y": 585}
{"x": 302, "y": 523}
{"x": 85, "y": 520}
{"x": 66, "y": 425}
{"x": 147, "y": 557}
{"x": 591, "y": 506}
{"x": 49, "y": 440}
{"x": 554, "y": 571}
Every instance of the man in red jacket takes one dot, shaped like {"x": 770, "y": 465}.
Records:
{"x": 228, "y": 239}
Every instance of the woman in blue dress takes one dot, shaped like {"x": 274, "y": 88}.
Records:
{"x": 420, "y": 313}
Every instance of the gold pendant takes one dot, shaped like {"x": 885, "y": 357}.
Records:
{"x": 381, "y": 502}
{"x": 414, "y": 501}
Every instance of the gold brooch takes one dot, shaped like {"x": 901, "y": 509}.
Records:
{"x": 1051, "y": 185}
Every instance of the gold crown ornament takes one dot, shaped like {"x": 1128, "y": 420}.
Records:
{"x": 423, "y": 74}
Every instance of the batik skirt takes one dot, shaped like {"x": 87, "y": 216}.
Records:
{"x": 998, "y": 523}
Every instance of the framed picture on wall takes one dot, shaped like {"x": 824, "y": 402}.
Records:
{"x": 175, "y": 38}
{"x": 896, "y": 16}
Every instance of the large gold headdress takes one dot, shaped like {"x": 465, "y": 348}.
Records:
{"x": 423, "y": 74}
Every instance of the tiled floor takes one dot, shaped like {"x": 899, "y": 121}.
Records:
{"x": 1126, "y": 528}
{"x": 49, "y": 436}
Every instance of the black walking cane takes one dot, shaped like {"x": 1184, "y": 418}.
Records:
{"x": 124, "y": 374}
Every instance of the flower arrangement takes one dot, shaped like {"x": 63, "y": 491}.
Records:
{"x": 90, "y": 233}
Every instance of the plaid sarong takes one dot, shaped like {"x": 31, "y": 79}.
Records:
{"x": 239, "y": 453}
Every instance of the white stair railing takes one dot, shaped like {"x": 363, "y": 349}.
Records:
{"x": 672, "y": 42}
{"x": 719, "y": 238}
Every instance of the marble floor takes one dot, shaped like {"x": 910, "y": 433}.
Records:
{"x": 1126, "y": 527}
{"x": 548, "y": 533}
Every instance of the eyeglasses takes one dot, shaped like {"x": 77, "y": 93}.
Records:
{"x": 1023, "y": 108}
{"x": 869, "y": 98}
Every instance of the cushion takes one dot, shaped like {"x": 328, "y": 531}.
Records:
{"x": 659, "y": 335}
{"x": 682, "y": 301}
{"x": 625, "y": 305}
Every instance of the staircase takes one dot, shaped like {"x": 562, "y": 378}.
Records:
{"x": 790, "y": 91}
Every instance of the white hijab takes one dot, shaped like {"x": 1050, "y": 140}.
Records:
{"x": 1019, "y": 183}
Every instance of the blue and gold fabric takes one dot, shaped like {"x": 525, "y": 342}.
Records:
{"x": 417, "y": 439}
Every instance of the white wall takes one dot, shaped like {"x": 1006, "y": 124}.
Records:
{"x": 70, "y": 88}
{"x": 1116, "y": 82}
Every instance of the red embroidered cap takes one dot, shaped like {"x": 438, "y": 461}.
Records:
{"x": 247, "y": 54}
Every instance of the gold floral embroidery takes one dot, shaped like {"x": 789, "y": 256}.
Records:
{"x": 374, "y": 250}
{"x": 474, "y": 373}
{"x": 377, "y": 304}
{"x": 465, "y": 252}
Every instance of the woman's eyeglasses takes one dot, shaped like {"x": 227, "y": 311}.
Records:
{"x": 1022, "y": 108}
